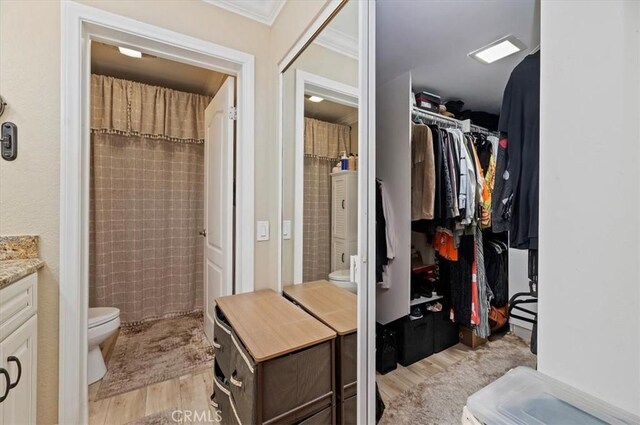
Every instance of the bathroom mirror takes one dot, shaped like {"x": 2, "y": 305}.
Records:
{"x": 319, "y": 155}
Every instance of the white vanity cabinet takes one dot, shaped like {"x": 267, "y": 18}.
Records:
{"x": 18, "y": 351}
{"x": 344, "y": 218}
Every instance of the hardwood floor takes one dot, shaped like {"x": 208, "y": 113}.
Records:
{"x": 187, "y": 393}
{"x": 402, "y": 378}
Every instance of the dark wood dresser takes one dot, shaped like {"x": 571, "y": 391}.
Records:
{"x": 274, "y": 363}
{"x": 336, "y": 308}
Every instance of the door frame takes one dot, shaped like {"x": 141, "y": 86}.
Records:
{"x": 331, "y": 90}
{"x": 79, "y": 25}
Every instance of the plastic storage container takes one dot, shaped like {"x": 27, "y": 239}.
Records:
{"x": 525, "y": 396}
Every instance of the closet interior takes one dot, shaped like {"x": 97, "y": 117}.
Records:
{"x": 453, "y": 228}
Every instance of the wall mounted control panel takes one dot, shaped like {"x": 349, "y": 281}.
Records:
{"x": 9, "y": 141}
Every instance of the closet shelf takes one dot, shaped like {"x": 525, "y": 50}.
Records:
{"x": 424, "y": 300}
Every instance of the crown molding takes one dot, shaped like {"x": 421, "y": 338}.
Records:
{"x": 263, "y": 11}
{"x": 338, "y": 41}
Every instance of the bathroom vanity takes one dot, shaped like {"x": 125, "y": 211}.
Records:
{"x": 274, "y": 363}
{"x": 18, "y": 329}
{"x": 336, "y": 308}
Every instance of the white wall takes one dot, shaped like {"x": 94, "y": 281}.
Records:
{"x": 589, "y": 310}
{"x": 393, "y": 147}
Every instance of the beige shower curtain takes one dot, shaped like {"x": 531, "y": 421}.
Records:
{"x": 147, "y": 188}
{"x": 323, "y": 143}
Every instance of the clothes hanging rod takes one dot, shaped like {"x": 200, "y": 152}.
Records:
{"x": 436, "y": 117}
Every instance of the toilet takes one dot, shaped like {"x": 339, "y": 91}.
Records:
{"x": 342, "y": 279}
{"x": 103, "y": 322}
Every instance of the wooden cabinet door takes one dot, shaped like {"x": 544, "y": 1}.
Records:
{"x": 18, "y": 357}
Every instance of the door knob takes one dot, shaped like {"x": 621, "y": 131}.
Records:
{"x": 203, "y": 232}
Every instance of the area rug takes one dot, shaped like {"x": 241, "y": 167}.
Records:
{"x": 154, "y": 352}
{"x": 441, "y": 397}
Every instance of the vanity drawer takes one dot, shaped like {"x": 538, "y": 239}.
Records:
{"x": 221, "y": 398}
{"x": 347, "y": 365}
{"x": 18, "y": 302}
{"x": 222, "y": 342}
{"x": 242, "y": 382}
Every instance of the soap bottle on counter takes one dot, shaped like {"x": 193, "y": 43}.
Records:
{"x": 344, "y": 161}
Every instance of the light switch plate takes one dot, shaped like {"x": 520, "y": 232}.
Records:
{"x": 262, "y": 230}
{"x": 286, "y": 229}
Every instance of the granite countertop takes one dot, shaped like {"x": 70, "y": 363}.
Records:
{"x": 12, "y": 270}
{"x": 18, "y": 258}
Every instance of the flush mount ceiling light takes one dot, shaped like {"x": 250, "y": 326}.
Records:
{"x": 497, "y": 50}
{"x": 316, "y": 99}
{"x": 130, "y": 52}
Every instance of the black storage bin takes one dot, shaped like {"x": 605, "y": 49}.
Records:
{"x": 415, "y": 338}
{"x": 386, "y": 348}
{"x": 445, "y": 331}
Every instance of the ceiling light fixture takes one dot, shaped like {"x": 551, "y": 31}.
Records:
{"x": 130, "y": 52}
{"x": 316, "y": 99}
{"x": 497, "y": 50}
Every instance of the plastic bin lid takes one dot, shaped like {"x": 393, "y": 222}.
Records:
{"x": 525, "y": 396}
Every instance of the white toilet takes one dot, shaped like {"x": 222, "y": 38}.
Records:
{"x": 342, "y": 279}
{"x": 103, "y": 322}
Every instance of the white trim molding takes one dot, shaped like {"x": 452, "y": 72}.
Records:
{"x": 263, "y": 11}
{"x": 79, "y": 25}
{"x": 308, "y": 83}
{"x": 339, "y": 42}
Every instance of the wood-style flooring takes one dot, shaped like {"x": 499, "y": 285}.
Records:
{"x": 402, "y": 378}
{"x": 187, "y": 393}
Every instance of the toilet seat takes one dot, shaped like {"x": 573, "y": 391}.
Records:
{"x": 340, "y": 276}
{"x": 101, "y": 315}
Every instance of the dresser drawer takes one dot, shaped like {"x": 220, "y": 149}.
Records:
{"x": 242, "y": 382}
{"x": 222, "y": 342}
{"x": 221, "y": 398}
{"x": 324, "y": 417}
{"x": 297, "y": 385}
{"x": 18, "y": 302}
{"x": 347, "y": 365}
{"x": 348, "y": 411}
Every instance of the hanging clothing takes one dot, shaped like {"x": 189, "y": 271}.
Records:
{"x": 423, "y": 180}
{"x": 390, "y": 233}
{"x": 501, "y": 200}
{"x": 381, "y": 235}
{"x": 520, "y": 120}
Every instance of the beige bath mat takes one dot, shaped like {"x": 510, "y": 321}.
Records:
{"x": 154, "y": 352}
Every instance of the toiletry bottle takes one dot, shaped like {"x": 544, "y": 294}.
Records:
{"x": 356, "y": 163}
{"x": 352, "y": 162}
{"x": 344, "y": 161}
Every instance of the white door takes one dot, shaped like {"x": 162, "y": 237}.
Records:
{"x": 18, "y": 354}
{"x": 218, "y": 199}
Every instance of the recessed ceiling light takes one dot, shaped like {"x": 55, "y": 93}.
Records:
{"x": 497, "y": 50}
{"x": 130, "y": 52}
{"x": 316, "y": 99}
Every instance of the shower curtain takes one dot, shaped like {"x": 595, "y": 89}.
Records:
{"x": 323, "y": 143}
{"x": 146, "y": 203}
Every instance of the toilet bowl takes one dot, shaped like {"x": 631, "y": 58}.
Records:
{"x": 342, "y": 279}
{"x": 103, "y": 322}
